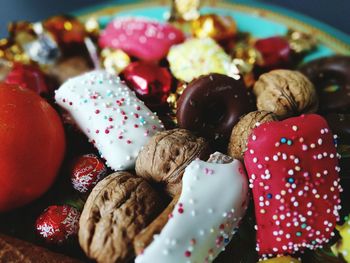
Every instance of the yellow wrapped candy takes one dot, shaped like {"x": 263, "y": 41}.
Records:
{"x": 12, "y": 52}
{"x": 197, "y": 57}
{"x": 343, "y": 245}
{"x": 114, "y": 60}
{"x": 214, "y": 26}
{"x": 283, "y": 259}
{"x": 184, "y": 10}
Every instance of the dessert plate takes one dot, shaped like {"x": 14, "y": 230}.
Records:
{"x": 259, "y": 19}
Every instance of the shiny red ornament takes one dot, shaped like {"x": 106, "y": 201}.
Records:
{"x": 29, "y": 77}
{"x": 66, "y": 30}
{"x": 150, "y": 82}
{"x": 87, "y": 171}
{"x": 58, "y": 223}
{"x": 275, "y": 52}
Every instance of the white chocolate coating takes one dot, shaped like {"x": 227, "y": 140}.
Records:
{"x": 110, "y": 115}
{"x": 214, "y": 198}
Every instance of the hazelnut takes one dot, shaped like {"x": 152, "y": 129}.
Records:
{"x": 241, "y": 131}
{"x": 285, "y": 93}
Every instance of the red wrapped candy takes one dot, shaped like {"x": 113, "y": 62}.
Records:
{"x": 28, "y": 76}
{"x": 151, "y": 83}
{"x": 87, "y": 170}
{"x": 275, "y": 52}
{"x": 58, "y": 223}
{"x": 66, "y": 30}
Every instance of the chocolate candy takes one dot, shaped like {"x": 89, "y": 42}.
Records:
{"x": 150, "y": 82}
{"x": 58, "y": 223}
{"x": 67, "y": 31}
{"x": 28, "y": 76}
{"x": 211, "y": 105}
{"x": 275, "y": 52}
{"x": 331, "y": 77}
{"x": 86, "y": 172}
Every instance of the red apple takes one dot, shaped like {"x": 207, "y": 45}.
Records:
{"x": 32, "y": 145}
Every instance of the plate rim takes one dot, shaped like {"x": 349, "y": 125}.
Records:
{"x": 333, "y": 38}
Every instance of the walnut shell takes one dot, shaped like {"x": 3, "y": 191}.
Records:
{"x": 241, "y": 131}
{"x": 285, "y": 93}
{"x": 117, "y": 209}
{"x": 166, "y": 156}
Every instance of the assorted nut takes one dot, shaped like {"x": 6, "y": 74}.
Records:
{"x": 241, "y": 131}
{"x": 164, "y": 158}
{"x": 285, "y": 93}
{"x": 118, "y": 208}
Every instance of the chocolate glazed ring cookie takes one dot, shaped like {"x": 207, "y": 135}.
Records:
{"x": 211, "y": 105}
{"x": 331, "y": 77}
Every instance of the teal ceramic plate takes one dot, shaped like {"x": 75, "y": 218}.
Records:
{"x": 261, "y": 20}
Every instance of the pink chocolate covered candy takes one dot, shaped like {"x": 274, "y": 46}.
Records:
{"x": 293, "y": 171}
{"x": 140, "y": 37}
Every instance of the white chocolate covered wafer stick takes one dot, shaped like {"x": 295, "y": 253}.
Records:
{"x": 110, "y": 115}
{"x": 213, "y": 200}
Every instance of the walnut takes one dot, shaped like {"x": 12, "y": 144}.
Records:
{"x": 117, "y": 209}
{"x": 165, "y": 157}
{"x": 285, "y": 93}
{"x": 241, "y": 131}
{"x": 145, "y": 237}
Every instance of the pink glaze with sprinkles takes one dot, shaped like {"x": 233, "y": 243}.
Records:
{"x": 293, "y": 172}
{"x": 145, "y": 39}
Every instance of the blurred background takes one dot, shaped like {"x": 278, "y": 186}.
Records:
{"x": 332, "y": 12}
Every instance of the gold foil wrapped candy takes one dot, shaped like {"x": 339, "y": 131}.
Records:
{"x": 245, "y": 51}
{"x": 37, "y": 44}
{"x": 214, "y": 26}
{"x": 342, "y": 247}
{"x": 10, "y": 51}
{"x": 245, "y": 56}
{"x": 114, "y": 60}
{"x": 301, "y": 42}
{"x": 66, "y": 30}
{"x": 92, "y": 26}
{"x": 184, "y": 10}
{"x": 172, "y": 98}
